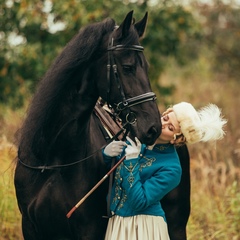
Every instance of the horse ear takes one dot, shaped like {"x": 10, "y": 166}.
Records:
{"x": 125, "y": 25}
{"x": 141, "y": 25}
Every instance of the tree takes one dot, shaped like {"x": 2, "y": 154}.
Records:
{"x": 171, "y": 29}
{"x": 221, "y": 25}
{"x": 32, "y": 33}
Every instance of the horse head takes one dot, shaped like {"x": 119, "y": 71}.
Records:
{"x": 127, "y": 89}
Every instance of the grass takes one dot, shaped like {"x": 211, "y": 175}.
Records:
{"x": 10, "y": 228}
{"x": 215, "y": 202}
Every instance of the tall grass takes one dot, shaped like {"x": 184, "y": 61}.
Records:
{"x": 9, "y": 214}
{"x": 10, "y": 218}
{"x": 215, "y": 201}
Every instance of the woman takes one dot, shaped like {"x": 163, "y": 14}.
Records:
{"x": 149, "y": 173}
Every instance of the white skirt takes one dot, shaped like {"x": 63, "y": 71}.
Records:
{"x": 139, "y": 227}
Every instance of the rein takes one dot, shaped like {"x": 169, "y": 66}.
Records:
{"x": 53, "y": 167}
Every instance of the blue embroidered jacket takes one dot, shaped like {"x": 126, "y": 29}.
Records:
{"x": 140, "y": 183}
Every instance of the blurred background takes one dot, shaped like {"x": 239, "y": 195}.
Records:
{"x": 193, "y": 48}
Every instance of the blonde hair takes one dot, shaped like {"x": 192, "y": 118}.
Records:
{"x": 179, "y": 139}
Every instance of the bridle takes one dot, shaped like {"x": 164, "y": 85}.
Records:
{"x": 126, "y": 103}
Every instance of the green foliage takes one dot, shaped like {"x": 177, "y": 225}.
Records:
{"x": 169, "y": 31}
{"x": 221, "y": 25}
{"x": 31, "y": 24}
{"x": 172, "y": 31}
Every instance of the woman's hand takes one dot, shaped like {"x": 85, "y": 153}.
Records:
{"x": 114, "y": 148}
{"x": 133, "y": 150}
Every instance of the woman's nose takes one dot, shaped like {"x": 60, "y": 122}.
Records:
{"x": 164, "y": 124}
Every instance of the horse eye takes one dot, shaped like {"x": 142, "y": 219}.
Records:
{"x": 128, "y": 68}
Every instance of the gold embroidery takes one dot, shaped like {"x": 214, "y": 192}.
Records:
{"x": 131, "y": 169}
{"x": 162, "y": 148}
{"x": 123, "y": 199}
{"x": 148, "y": 163}
{"x": 120, "y": 194}
{"x": 117, "y": 186}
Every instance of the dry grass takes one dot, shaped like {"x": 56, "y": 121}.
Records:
{"x": 9, "y": 214}
{"x": 215, "y": 199}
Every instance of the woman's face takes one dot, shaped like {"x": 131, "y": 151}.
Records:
{"x": 170, "y": 127}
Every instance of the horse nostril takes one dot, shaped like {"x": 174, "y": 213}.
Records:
{"x": 152, "y": 134}
{"x": 152, "y": 131}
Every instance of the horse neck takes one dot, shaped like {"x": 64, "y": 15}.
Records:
{"x": 80, "y": 142}
{"x": 66, "y": 119}
{"x": 76, "y": 120}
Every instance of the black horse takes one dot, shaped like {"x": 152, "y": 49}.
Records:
{"x": 59, "y": 153}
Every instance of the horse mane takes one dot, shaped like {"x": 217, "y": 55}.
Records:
{"x": 58, "y": 84}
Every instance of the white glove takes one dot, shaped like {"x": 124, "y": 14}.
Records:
{"x": 114, "y": 148}
{"x": 133, "y": 150}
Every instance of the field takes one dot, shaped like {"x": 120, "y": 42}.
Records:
{"x": 215, "y": 168}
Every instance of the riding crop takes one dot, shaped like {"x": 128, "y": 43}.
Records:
{"x": 95, "y": 187}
